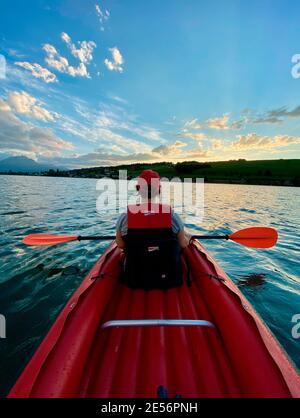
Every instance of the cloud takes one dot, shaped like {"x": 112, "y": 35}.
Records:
{"x": 15, "y": 53}
{"x": 238, "y": 124}
{"x": 18, "y": 137}
{"x": 248, "y": 117}
{"x": 4, "y": 107}
{"x": 171, "y": 149}
{"x": 116, "y": 118}
{"x": 177, "y": 151}
{"x": 99, "y": 157}
{"x": 103, "y": 15}
{"x": 117, "y": 60}
{"x": 17, "y": 77}
{"x": 266, "y": 120}
{"x": 23, "y": 103}
{"x": 127, "y": 144}
{"x": 118, "y": 99}
{"x": 254, "y": 141}
{"x": 193, "y": 124}
{"x": 277, "y": 115}
{"x": 38, "y": 71}
{"x": 218, "y": 123}
{"x": 85, "y": 51}
{"x": 170, "y": 121}
{"x": 191, "y": 135}
{"x": 104, "y": 156}
{"x": 61, "y": 64}
{"x": 92, "y": 132}
{"x": 217, "y": 144}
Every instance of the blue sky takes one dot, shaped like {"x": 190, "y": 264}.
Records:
{"x": 118, "y": 81}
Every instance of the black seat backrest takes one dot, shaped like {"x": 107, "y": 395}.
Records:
{"x": 153, "y": 259}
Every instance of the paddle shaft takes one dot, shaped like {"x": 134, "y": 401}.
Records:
{"x": 95, "y": 238}
{"x": 210, "y": 237}
{"x": 103, "y": 238}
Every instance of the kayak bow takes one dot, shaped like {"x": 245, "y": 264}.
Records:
{"x": 202, "y": 340}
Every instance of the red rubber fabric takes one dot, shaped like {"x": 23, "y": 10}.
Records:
{"x": 149, "y": 216}
{"x": 238, "y": 358}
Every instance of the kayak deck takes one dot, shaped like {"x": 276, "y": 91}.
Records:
{"x": 219, "y": 347}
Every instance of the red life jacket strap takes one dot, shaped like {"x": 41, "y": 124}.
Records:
{"x": 149, "y": 216}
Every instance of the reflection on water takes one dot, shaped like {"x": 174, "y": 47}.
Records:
{"x": 252, "y": 280}
{"x": 35, "y": 283}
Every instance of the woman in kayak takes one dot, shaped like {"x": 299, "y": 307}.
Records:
{"x": 152, "y": 236}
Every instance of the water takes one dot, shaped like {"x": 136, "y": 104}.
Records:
{"x": 35, "y": 283}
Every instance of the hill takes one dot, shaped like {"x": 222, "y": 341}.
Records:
{"x": 22, "y": 164}
{"x": 265, "y": 172}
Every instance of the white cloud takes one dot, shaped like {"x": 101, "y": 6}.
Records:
{"x": 248, "y": 117}
{"x": 99, "y": 157}
{"x": 250, "y": 142}
{"x": 193, "y": 124}
{"x": 118, "y": 99}
{"x": 117, "y": 60}
{"x": 218, "y": 123}
{"x": 18, "y": 137}
{"x": 116, "y": 118}
{"x": 254, "y": 141}
{"x": 38, "y": 71}
{"x": 103, "y": 15}
{"x": 104, "y": 156}
{"x": 217, "y": 144}
{"x": 16, "y": 76}
{"x": 177, "y": 152}
{"x": 4, "y": 107}
{"x": 102, "y": 134}
{"x": 85, "y": 51}
{"x": 61, "y": 64}
{"x": 191, "y": 135}
{"x": 23, "y": 103}
{"x": 173, "y": 150}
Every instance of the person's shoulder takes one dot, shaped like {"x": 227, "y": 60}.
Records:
{"x": 177, "y": 223}
{"x": 175, "y": 214}
{"x": 123, "y": 215}
{"x": 121, "y": 220}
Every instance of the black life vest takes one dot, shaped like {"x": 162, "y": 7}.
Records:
{"x": 152, "y": 251}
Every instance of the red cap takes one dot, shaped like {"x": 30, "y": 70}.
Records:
{"x": 151, "y": 177}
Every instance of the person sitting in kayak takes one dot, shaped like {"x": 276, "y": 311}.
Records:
{"x": 152, "y": 236}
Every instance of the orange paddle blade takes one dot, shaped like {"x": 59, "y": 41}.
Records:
{"x": 256, "y": 237}
{"x": 47, "y": 239}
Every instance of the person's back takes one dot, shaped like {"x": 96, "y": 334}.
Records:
{"x": 151, "y": 235}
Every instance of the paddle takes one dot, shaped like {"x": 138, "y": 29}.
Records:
{"x": 256, "y": 237}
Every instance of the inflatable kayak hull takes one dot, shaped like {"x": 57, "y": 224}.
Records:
{"x": 202, "y": 339}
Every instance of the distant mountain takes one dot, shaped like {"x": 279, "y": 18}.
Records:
{"x": 23, "y": 165}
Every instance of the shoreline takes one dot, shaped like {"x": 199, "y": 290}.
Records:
{"x": 242, "y": 182}
{"x": 280, "y": 172}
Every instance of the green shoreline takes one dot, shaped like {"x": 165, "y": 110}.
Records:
{"x": 260, "y": 172}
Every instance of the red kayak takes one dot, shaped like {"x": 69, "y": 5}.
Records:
{"x": 202, "y": 339}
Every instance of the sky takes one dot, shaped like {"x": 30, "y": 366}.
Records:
{"x": 90, "y": 83}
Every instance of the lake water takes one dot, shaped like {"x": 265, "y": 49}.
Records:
{"x": 36, "y": 282}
